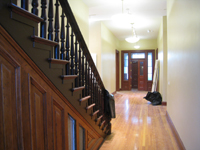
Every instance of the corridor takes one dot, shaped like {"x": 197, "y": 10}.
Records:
{"x": 139, "y": 125}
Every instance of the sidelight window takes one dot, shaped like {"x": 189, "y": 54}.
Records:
{"x": 150, "y": 66}
{"x": 125, "y": 66}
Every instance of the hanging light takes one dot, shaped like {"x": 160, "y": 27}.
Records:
{"x": 122, "y": 17}
{"x": 134, "y": 38}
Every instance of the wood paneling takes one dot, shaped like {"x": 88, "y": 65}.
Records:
{"x": 8, "y": 115}
{"x": 33, "y": 113}
{"x": 58, "y": 126}
{"x": 37, "y": 114}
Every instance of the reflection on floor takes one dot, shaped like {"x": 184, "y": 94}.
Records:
{"x": 139, "y": 125}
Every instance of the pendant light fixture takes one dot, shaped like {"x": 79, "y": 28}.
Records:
{"x": 122, "y": 17}
{"x": 133, "y": 38}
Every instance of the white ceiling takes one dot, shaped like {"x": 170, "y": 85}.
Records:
{"x": 147, "y": 15}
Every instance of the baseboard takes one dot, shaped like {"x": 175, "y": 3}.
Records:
{"x": 114, "y": 92}
{"x": 175, "y": 133}
{"x": 164, "y": 103}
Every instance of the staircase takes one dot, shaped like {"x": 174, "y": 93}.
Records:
{"x": 60, "y": 53}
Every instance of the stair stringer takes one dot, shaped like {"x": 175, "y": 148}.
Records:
{"x": 21, "y": 29}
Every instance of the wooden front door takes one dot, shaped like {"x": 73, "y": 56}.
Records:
{"x": 141, "y": 74}
{"x": 134, "y": 74}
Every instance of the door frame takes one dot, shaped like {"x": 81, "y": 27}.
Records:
{"x": 117, "y": 69}
{"x": 126, "y": 85}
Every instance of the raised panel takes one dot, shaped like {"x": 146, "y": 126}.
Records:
{"x": 37, "y": 115}
{"x": 9, "y": 131}
{"x": 58, "y": 126}
{"x": 91, "y": 139}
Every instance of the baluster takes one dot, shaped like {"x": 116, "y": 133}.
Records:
{"x": 83, "y": 71}
{"x": 89, "y": 84}
{"x": 96, "y": 94}
{"x": 50, "y": 16}
{"x": 34, "y": 5}
{"x": 56, "y": 48}
{"x": 72, "y": 52}
{"x": 43, "y": 23}
{"x": 76, "y": 61}
{"x": 88, "y": 79}
{"x": 86, "y": 86}
{"x": 67, "y": 47}
{"x": 79, "y": 66}
{"x": 99, "y": 96}
{"x": 93, "y": 87}
{"x": 24, "y": 4}
{"x": 62, "y": 36}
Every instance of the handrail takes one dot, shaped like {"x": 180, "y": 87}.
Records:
{"x": 68, "y": 12}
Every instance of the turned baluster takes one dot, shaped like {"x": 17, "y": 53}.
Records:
{"x": 88, "y": 78}
{"x": 50, "y": 16}
{"x": 56, "y": 27}
{"x": 79, "y": 67}
{"x": 86, "y": 86}
{"x": 76, "y": 62}
{"x": 34, "y": 9}
{"x": 44, "y": 16}
{"x": 82, "y": 63}
{"x": 67, "y": 47}
{"x": 62, "y": 36}
{"x": 93, "y": 89}
{"x": 24, "y": 4}
{"x": 72, "y": 52}
{"x": 89, "y": 84}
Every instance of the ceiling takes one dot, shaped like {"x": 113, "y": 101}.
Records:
{"x": 146, "y": 15}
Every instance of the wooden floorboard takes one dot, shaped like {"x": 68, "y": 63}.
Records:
{"x": 139, "y": 125}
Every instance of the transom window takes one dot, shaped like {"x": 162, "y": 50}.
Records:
{"x": 138, "y": 55}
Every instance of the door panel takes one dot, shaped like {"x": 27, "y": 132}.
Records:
{"x": 141, "y": 75}
{"x": 134, "y": 74}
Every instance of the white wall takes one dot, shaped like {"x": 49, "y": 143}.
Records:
{"x": 183, "y": 100}
{"x": 81, "y": 13}
{"x": 162, "y": 56}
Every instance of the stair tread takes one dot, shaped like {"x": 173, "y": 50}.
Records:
{"x": 57, "y": 61}
{"x": 84, "y": 98}
{"x": 44, "y": 41}
{"x": 99, "y": 118}
{"x": 90, "y": 106}
{"x": 65, "y": 77}
{"x": 78, "y": 88}
{"x": 25, "y": 13}
{"x": 94, "y": 113}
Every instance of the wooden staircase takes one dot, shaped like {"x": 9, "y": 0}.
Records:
{"x": 63, "y": 58}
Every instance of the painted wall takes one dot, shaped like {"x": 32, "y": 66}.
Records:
{"x": 144, "y": 44}
{"x": 183, "y": 101}
{"x": 81, "y": 13}
{"x": 95, "y": 43}
{"x": 162, "y": 56}
{"x": 104, "y": 43}
{"x": 109, "y": 44}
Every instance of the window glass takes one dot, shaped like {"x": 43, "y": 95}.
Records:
{"x": 125, "y": 66}
{"x": 138, "y": 55}
{"x": 141, "y": 68}
{"x": 81, "y": 138}
{"x": 150, "y": 67}
{"x": 71, "y": 133}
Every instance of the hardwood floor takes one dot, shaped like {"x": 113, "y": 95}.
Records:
{"x": 139, "y": 125}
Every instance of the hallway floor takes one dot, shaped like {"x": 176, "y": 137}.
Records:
{"x": 139, "y": 125}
